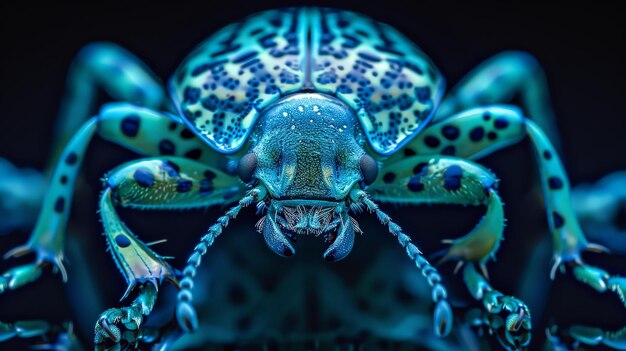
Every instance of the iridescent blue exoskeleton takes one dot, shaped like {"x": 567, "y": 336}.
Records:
{"x": 312, "y": 115}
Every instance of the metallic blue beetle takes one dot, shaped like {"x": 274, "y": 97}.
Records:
{"x": 312, "y": 114}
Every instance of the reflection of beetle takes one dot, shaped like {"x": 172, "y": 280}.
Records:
{"x": 303, "y": 105}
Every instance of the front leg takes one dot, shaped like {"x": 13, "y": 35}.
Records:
{"x": 447, "y": 180}
{"x": 477, "y": 132}
{"x": 507, "y": 316}
{"x": 159, "y": 183}
{"x": 124, "y": 323}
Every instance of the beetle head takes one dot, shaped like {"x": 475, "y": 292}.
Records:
{"x": 308, "y": 153}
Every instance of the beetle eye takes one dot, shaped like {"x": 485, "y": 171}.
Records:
{"x": 369, "y": 169}
{"x": 247, "y": 166}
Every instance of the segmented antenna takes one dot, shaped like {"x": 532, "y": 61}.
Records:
{"x": 185, "y": 313}
{"x": 443, "y": 312}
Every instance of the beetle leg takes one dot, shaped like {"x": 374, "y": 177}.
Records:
{"x": 498, "y": 80}
{"x": 124, "y": 323}
{"x": 477, "y": 132}
{"x": 156, "y": 183}
{"x": 440, "y": 179}
{"x": 437, "y": 179}
{"x": 597, "y": 337}
{"x": 105, "y": 66}
{"x": 598, "y": 207}
{"x": 113, "y": 69}
{"x": 507, "y": 315}
{"x": 48, "y": 336}
{"x": 139, "y": 129}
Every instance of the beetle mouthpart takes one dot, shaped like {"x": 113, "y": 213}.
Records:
{"x": 274, "y": 237}
{"x": 306, "y": 220}
{"x": 341, "y": 246}
{"x": 283, "y": 224}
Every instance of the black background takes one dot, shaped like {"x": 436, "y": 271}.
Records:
{"x": 580, "y": 48}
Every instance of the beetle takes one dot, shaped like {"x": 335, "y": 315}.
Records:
{"x": 307, "y": 107}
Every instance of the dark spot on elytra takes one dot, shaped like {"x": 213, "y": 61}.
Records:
{"x": 59, "y": 205}
{"x": 389, "y": 177}
{"x": 71, "y": 158}
{"x": 423, "y": 94}
{"x": 369, "y": 57}
{"x": 63, "y": 179}
{"x": 166, "y": 147}
{"x": 450, "y": 132}
{"x": 183, "y": 185}
{"x": 144, "y": 177}
{"x": 500, "y": 123}
{"x": 122, "y": 240}
{"x": 555, "y": 183}
{"x": 477, "y": 134}
{"x": 452, "y": 178}
{"x": 172, "y": 125}
{"x": 492, "y": 136}
{"x": 194, "y": 154}
{"x": 130, "y": 125}
{"x": 557, "y": 219}
{"x": 486, "y": 116}
{"x": 186, "y": 134}
{"x": 431, "y": 141}
{"x": 191, "y": 95}
{"x": 415, "y": 184}
{"x": 209, "y": 175}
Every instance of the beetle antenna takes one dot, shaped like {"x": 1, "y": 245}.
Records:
{"x": 443, "y": 312}
{"x": 185, "y": 312}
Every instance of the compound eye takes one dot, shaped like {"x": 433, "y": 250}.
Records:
{"x": 369, "y": 169}
{"x": 247, "y": 166}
